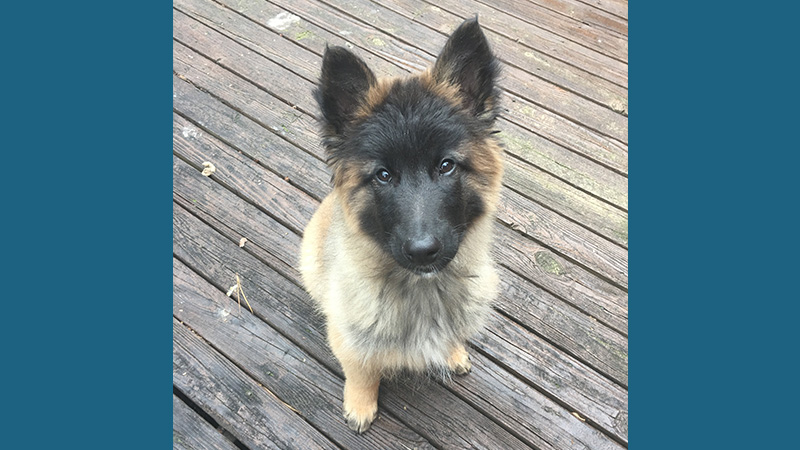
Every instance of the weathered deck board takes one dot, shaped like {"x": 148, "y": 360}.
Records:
{"x": 318, "y": 19}
{"x": 233, "y": 399}
{"x": 608, "y": 14}
{"x": 617, "y": 8}
{"x": 551, "y": 367}
{"x": 191, "y": 431}
{"x": 562, "y": 377}
{"x": 600, "y": 39}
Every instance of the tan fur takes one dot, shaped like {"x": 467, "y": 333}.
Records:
{"x": 351, "y": 277}
{"x": 340, "y": 267}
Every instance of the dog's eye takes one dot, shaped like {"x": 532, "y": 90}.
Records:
{"x": 383, "y": 176}
{"x": 446, "y": 167}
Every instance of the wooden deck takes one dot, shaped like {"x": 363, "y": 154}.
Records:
{"x": 550, "y": 370}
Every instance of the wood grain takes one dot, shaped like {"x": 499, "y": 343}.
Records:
{"x": 524, "y": 409}
{"x": 191, "y": 432}
{"x": 234, "y": 400}
{"x": 252, "y": 140}
{"x": 599, "y": 39}
{"x": 561, "y": 376}
{"x": 609, "y": 14}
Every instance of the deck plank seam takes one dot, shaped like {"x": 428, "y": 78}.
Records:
{"x": 559, "y": 34}
{"x": 225, "y": 32}
{"x": 583, "y": 21}
{"x": 245, "y": 153}
{"x": 240, "y": 195}
{"x": 602, "y": 9}
{"x": 548, "y": 394}
{"x": 568, "y": 182}
{"x": 623, "y": 333}
{"x": 252, "y": 378}
{"x": 186, "y": 205}
{"x": 191, "y": 404}
{"x": 554, "y": 211}
{"x": 237, "y": 74}
{"x": 566, "y": 256}
{"x": 527, "y": 128}
{"x": 561, "y": 348}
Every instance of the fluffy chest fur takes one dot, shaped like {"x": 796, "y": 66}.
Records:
{"x": 414, "y": 322}
{"x": 405, "y": 320}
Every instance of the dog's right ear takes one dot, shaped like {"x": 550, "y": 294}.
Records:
{"x": 467, "y": 62}
{"x": 343, "y": 86}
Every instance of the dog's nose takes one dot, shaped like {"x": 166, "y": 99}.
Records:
{"x": 422, "y": 251}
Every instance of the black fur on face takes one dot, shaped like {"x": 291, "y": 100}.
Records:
{"x": 410, "y": 154}
{"x": 409, "y": 136}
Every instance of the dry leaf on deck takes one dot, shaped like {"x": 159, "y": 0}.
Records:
{"x": 208, "y": 168}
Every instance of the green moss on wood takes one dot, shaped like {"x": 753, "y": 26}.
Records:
{"x": 548, "y": 263}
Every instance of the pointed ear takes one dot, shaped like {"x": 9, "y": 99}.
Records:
{"x": 467, "y": 62}
{"x": 343, "y": 86}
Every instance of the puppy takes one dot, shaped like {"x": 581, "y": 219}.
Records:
{"x": 397, "y": 255}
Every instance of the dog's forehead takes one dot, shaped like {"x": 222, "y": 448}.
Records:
{"x": 412, "y": 125}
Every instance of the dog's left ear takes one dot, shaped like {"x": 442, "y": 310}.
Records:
{"x": 343, "y": 86}
{"x": 467, "y": 62}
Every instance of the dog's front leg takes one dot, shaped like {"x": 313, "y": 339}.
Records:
{"x": 459, "y": 361}
{"x": 360, "y": 385}
{"x": 360, "y": 396}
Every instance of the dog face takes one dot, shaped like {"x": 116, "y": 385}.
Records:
{"x": 414, "y": 158}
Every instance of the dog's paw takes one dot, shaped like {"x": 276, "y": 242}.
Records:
{"x": 360, "y": 417}
{"x": 459, "y": 361}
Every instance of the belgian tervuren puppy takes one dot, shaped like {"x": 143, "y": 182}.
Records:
{"x": 397, "y": 256}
